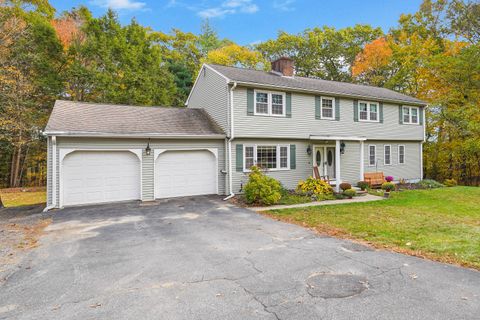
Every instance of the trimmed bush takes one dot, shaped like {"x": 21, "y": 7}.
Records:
{"x": 350, "y": 193}
{"x": 389, "y": 178}
{"x": 388, "y": 186}
{"x": 345, "y": 186}
{"x": 313, "y": 186}
{"x": 363, "y": 185}
{"x": 430, "y": 184}
{"x": 262, "y": 189}
{"x": 450, "y": 183}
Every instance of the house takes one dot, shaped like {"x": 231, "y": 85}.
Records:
{"x": 235, "y": 118}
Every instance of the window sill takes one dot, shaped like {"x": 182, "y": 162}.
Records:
{"x": 411, "y": 124}
{"x": 268, "y": 170}
{"x": 369, "y": 121}
{"x": 322, "y": 118}
{"x": 269, "y": 115}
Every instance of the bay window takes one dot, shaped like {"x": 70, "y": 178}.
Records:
{"x": 270, "y": 157}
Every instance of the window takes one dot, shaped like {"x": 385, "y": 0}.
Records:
{"x": 271, "y": 157}
{"x": 411, "y": 115}
{"x": 269, "y": 103}
{"x": 327, "y": 108}
{"x": 372, "y": 155}
{"x": 387, "y": 155}
{"x": 261, "y": 107}
{"x": 401, "y": 154}
{"x": 368, "y": 111}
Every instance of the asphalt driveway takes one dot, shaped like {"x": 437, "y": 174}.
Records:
{"x": 201, "y": 258}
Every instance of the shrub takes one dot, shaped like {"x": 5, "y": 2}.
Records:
{"x": 450, "y": 183}
{"x": 262, "y": 189}
{"x": 388, "y": 186}
{"x": 314, "y": 186}
{"x": 345, "y": 186}
{"x": 389, "y": 178}
{"x": 430, "y": 184}
{"x": 363, "y": 185}
{"x": 350, "y": 193}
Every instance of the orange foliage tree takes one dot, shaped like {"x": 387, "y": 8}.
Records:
{"x": 371, "y": 65}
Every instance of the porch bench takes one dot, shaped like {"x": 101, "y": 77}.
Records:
{"x": 375, "y": 179}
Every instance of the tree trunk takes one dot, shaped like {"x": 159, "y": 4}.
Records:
{"x": 1, "y": 203}
{"x": 12, "y": 168}
{"x": 16, "y": 181}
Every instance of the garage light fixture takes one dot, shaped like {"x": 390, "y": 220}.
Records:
{"x": 148, "y": 150}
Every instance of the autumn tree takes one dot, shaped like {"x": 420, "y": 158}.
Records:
{"x": 239, "y": 56}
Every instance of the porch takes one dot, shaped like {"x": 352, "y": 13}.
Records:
{"x": 326, "y": 153}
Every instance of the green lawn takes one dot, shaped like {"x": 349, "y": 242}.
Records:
{"x": 441, "y": 224}
{"x": 17, "y": 199}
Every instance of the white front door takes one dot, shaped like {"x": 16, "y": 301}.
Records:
{"x": 185, "y": 173}
{"x": 100, "y": 176}
{"x": 324, "y": 159}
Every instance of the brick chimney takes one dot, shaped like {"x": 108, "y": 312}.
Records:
{"x": 284, "y": 65}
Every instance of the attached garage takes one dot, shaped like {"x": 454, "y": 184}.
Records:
{"x": 101, "y": 153}
{"x": 185, "y": 173}
{"x": 100, "y": 176}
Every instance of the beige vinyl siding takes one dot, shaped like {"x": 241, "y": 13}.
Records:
{"x": 211, "y": 93}
{"x": 350, "y": 163}
{"x": 147, "y": 161}
{"x": 410, "y": 170}
{"x": 302, "y": 124}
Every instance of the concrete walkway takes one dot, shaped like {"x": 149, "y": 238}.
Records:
{"x": 365, "y": 198}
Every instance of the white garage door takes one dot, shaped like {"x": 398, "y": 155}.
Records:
{"x": 185, "y": 173}
{"x": 100, "y": 176}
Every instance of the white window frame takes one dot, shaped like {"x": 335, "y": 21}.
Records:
{"x": 410, "y": 115}
{"x": 269, "y": 104}
{"x": 384, "y": 155}
{"x": 333, "y": 108}
{"x": 278, "y": 146}
{"x": 404, "y": 154}
{"x": 368, "y": 103}
{"x": 375, "y": 155}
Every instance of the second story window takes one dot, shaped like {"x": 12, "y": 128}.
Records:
{"x": 269, "y": 103}
{"x": 410, "y": 115}
{"x": 327, "y": 111}
{"x": 368, "y": 111}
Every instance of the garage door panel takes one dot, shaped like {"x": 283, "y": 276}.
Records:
{"x": 100, "y": 176}
{"x": 185, "y": 173}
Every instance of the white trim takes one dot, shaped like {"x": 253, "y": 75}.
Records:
{"x": 362, "y": 156}
{"x": 338, "y": 179}
{"x": 158, "y": 152}
{"x": 368, "y": 103}
{"x": 384, "y": 155}
{"x": 375, "y": 160}
{"x": 65, "y": 151}
{"x": 270, "y": 104}
{"x": 339, "y": 94}
{"x": 255, "y": 160}
{"x": 132, "y": 135}
{"x": 421, "y": 160}
{"x": 404, "y": 154}
{"x": 227, "y": 80}
{"x": 54, "y": 172}
{"x": 351, "y": 138}
{"x": 333, "y": 108}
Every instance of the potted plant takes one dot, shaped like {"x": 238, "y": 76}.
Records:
{"x": 388, "y": 186}
{"x": 345, "y": 186}
{"x": 363, "y": 185}
{"x": 389, "y": 178}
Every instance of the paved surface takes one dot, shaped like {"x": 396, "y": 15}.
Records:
{"x": 205, "y": 259}
{"x": 364, "y": 198}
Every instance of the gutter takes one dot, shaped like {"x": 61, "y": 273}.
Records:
{"x": 232, "y": 136}
{"x": 130, "y": 135}
{"x": 339, "y": 94}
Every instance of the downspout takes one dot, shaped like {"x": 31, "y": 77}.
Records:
{"x": 232, "y": 136}
{"x": 54, "y": 175}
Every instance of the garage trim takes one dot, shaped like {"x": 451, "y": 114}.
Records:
{"x": 158, "y": 152}
{"x": 63, "y": 152}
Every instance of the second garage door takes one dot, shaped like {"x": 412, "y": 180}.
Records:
{"x": 185, "y": 173}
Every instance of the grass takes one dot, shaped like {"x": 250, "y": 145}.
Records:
{"x": 20, "y": 198}
{"x": 441, "y": 224}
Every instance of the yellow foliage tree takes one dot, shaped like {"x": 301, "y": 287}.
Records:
{"x": 235, "y": 55}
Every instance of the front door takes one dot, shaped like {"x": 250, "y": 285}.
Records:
{"x": 324, "y": 159}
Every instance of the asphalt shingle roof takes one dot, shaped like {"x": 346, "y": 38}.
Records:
{"x": 313, "y": 84}
{"x": 80, "y": 117}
